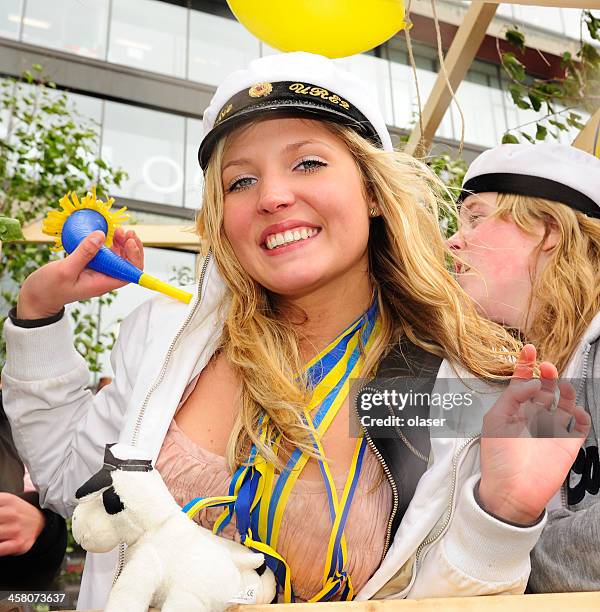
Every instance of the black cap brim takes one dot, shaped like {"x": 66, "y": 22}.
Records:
{"x": 530, "y": 186}
{"x": 274, "y": 109}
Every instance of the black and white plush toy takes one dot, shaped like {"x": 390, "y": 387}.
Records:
{"x": 171, "y": 563}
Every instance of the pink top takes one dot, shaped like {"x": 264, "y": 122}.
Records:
{"x": 189, "y": 471}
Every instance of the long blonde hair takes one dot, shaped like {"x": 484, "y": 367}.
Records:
{"x": 565, "y": 294}
{"x": 418, "y": 297}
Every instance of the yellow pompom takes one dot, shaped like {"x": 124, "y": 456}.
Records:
{"x": 55, "y": 220}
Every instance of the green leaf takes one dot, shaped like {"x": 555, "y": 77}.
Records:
{"x": 541, "y": 132}
{"x": 10, "y": 230}
{"x": 517, "y": 92}
{"x": 49, "y": 153}
{"x": 515, "y": 68}
{"x": 574, "y": 121}
{"x": 589, "y": 53}
{"x": 592, "y": 23}
{"x": 527, "y": 137}
{"x": 509, "y": 138}
{"x": 536, "y": 101}
{"x": 561, "y": 126}
{"x": 516, "y": 38}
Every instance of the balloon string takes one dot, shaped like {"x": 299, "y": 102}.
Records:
{"x": 411, "y": 58}
{"x": 445, "y": 73}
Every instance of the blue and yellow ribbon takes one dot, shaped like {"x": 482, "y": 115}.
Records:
{"x": 258, "y": 500}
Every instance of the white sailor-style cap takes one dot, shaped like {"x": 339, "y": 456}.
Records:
{"x": 546, "y": 170}
{"x": 293, "y": 85}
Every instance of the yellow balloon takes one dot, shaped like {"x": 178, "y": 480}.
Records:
{"x": 335, "y": 28}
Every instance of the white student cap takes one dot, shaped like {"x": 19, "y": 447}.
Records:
{"x": 293, "y": 85}
{"x": 546, "y": 170}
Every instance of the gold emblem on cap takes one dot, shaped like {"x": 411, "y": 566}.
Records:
{"x": 224, "y": 112}
{"x": 260, "y": 90}
{"x": 319, "y": 92}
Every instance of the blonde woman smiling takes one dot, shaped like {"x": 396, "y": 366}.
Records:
{"x": 326, "y": 264}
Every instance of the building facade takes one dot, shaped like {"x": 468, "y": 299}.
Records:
{"x": 145, "y": 70}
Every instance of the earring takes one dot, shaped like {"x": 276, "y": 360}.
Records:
{"x": 373, "y": 212}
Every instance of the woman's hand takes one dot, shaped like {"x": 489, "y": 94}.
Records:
{"x": 520, "y": 474}
{"x": 61, "y": 282}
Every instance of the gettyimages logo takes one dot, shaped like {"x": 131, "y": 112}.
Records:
{"x": 449, "y": 408}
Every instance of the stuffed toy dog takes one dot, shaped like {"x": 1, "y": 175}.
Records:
{"x": 171, "y": 563}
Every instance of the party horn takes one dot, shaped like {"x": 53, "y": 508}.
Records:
{"x": 77, "y": 220}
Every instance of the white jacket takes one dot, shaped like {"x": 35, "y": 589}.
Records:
{"x": 446, "y": 545}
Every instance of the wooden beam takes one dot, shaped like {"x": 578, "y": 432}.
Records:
{"x": 589, "y": 137}
{"x": 161, "y": 236}
{"x": 576, "y": 4}
{"x": 553, "y": 602}
{"x": 458, "y": 60}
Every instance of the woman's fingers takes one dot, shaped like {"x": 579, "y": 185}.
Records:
{"x": 582, "y": 423}
{"x": 516, "y": 394}
{"x": 576, "y": 420}
{"x": 522, "y": 386}
{"x": 140, "y": 245}
{"x": 566, "y": 401}
{"x": 544, "y": 406}
{"x": 548, "y": 371}
{"x": 126, "y": 244}
{"x": 138, "y": 251}
{"x": 133, "y": 254}
{"x": 525, "y": 362}
{"x": 77, "y": 261}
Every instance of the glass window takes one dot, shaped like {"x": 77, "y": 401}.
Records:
{"x": 148, "y": 35}
{"x": 217, "y": 47}
{"x": 376, "y": 73}
{"x": 267, "y": 49}
{"x": 70, "y": 25}
{"x": 543, "y": 17}
{"x": 194, "y": 178}
{"x": 88, "y": 107}
{"x": 484, "y": 116}
{"x": 406, "y": 108}
{"x": 396, "y": 50}
{"x": 149, "y": 146}
{"x": 573, "y": 29}
{"x": 214, "y": 7}
{"x": 572, "y": 21}
{"x": 505, "y": 10}
{"x": 88, "y": 115}
{"x": 10, "y": 18}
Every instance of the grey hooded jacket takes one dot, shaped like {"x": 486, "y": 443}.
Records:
{"x": 567, "y": 556}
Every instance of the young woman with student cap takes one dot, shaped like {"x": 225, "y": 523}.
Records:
{"x": 326, "y": 263}
{"x": 528, "y": 253}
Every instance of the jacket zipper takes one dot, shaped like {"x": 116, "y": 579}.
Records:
{"x": 388, "y": 473}
{"x": 157, "y": 382}
{"x": 580, "y": 388}
{"x": 455, "y": 467}
{"x": 394, "y": 487}
{"x": 584, "y": 370}
{"x": 430, "y": 540}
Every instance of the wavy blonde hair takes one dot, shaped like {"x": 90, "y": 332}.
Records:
{"x": 565, "y": 294}
{"x": 418, "y": 297}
